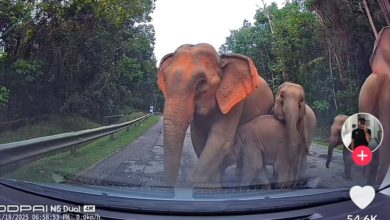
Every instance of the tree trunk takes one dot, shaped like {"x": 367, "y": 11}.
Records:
{"x": 269, "y": 19}
{"x": 336, "y": 34}
{"x": 385, "y": 7}
{"x": 268, "y": 66}
{"x": 331, "y": 74}
{"x": 370, "y": 19}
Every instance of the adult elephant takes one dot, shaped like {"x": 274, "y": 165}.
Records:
{"x": 374, "y": 97}
{"x": 335, "y": 140}
{"x": 300, "y": 121}
{"x": 215, "y": 94}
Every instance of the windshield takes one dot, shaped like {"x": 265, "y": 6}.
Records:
{"x": 227, "y": 99}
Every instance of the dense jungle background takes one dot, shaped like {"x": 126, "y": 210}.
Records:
{"x": 95, "y": 58}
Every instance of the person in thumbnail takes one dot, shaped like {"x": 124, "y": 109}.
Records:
{"x": 350, "y": 133}
{"x": 361, "y": 135}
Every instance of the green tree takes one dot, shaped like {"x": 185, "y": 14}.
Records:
{"x": 80, "y": 56}
{"x": 322, "y": 45}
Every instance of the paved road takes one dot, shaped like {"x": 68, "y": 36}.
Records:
{"x": 141, "y": 163}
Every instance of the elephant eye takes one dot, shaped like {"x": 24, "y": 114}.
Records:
{"x": 202, "y": 85}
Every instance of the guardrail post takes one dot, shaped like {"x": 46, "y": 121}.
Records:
{"x": 112, "y": 137}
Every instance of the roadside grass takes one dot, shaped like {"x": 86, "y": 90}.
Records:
{"x": 54, "y": 124}
{"x": 324, "y": 144}
{"x": 321, "y": 142}
{"x": 64, "y": 166}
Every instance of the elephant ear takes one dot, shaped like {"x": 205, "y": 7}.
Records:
{"x": 239, "y": 80}
{"x": 165, "y": 61}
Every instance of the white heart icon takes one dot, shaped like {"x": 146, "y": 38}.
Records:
{"x": 362, "y": 196}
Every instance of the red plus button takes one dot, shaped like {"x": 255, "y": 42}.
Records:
{"x": 362, "y": 155}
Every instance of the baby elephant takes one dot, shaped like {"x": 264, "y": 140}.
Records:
{"x": 259, "y": 142}
{"x": 335, "y": 140}
{"x": 282, "y": 139}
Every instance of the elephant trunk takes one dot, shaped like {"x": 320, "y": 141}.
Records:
{"x": 329, "y": 156}
{"x": 177, "y": 117}
{"x": 294, "y": 135}
{"x": 332, "y": 144}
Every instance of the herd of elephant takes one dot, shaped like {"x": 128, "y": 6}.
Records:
{"x": 374, "y": 98}
{"x": 234, "y": 117}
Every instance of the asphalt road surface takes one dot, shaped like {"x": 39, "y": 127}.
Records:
{"x": 141, "y": 163}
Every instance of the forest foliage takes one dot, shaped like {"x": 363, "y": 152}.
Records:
{"x": 323, "y": 45}
{"x": 87, "y": 57}
{"x": 95, "y": 57}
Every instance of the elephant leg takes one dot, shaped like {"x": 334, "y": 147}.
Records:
{"x": 238, "y": 146}
{"x": 274, "y": 173}
{"x": 285, "y": 168}
{"x": 303, "y": 166}
{"x": 229, "y": 160}
{"x": 299, "y": 165}
{"x": 383, "y": 167}
{"x": 347, "y": 157}
{"x": 372, "y": 169}
{"x": 219, "y": 144}
{"x": 262, "y": 176}
{"x": 284, "y": 175}
{"x": 252, "y": 164}
{"x": 239, "y": 164}
{"x": 383, "y": 151}
{"x": 198, "y": 138}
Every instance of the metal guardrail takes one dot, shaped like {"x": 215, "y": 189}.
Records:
{"x": 113, "y": 116}
{"x": 109, "y": 119}
{"x": 18, "y": 153}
